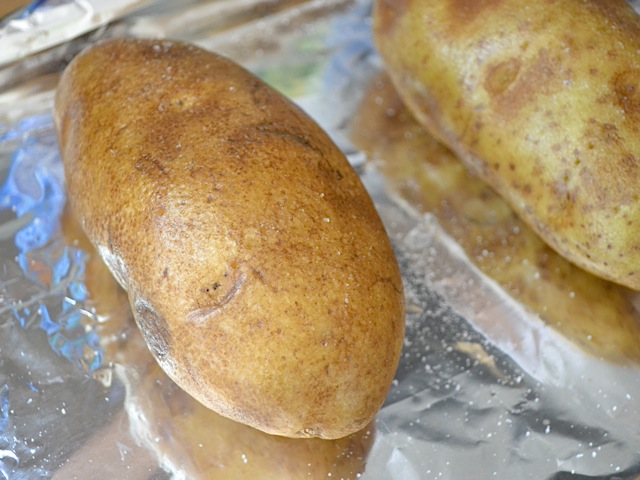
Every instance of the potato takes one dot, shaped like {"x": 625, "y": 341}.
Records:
{"x": 181, "y": 433}
{"x": 542, "y": 101}
{"x": 255, "y": 263}
{"x": 594, "y": 314}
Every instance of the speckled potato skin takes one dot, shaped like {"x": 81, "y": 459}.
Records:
{"x": 256, "y": 265}
{"x": 599, "y": 316}
{"x": 182, "y": 432}
{"x": 542, "y": 101}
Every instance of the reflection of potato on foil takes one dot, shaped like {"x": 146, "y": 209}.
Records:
{"x": 199, "y": 443}
{"x": 187, "y": 438}
{"x": 597, "y": 315}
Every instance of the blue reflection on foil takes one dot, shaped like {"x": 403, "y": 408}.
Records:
{"x": 25, "y": 127}
{"x": 352, "y": 38}
{"x": 33, "y": 6}
{"x": 34, "y": 189}
{"x": 35, "y": 184}
{"x": 4, "y": 407}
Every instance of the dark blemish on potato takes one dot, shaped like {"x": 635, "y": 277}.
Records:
{"x": 289, "y": 133}
{"x": 621, "y": 167}
{"x": 184, "y": 102}
{"x": 150, "y": 165}
{"x": 213, "y": 287}
{"x": 626, "y": 89}
{"x": 630, "y": 169}
{"x": 609, "y": 134}
{"x": 463, "y": 12}
{"x": 196, "y": 171}
{"x": 501, "y": 75}
{"x": 621, "y": 16}
{"x": 217, "y": 299}
{"x": 389, "y": 12}
{"x": 154, "y": 328}
{"x": 542, "y": 75}
{"x": 260, "y": 276}
{"x": 261, "y": 96}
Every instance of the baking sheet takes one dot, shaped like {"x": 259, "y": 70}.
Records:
{"x": 484, "y": 388}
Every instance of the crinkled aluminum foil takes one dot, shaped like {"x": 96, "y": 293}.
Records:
{"x": 484, "y": 388}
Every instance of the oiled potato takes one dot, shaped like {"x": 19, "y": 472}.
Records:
{"x": 597, "y": 315}
{"x": 184, "y": 436}
{"x": 541, "y": 100}
{"x": 255, "y": 263}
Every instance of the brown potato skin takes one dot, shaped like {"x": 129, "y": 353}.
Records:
{"x": 180, "y": 430}
{"x": 255, "y": 262}
{"x": 594, "y": 314}
{"x": 541, "y": 101}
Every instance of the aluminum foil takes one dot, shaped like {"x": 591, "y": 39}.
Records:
{"x": 484, "y": 389}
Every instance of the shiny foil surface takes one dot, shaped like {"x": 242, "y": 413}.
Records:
{"x": 485, "y": 388}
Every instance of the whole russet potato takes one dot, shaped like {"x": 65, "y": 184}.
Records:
{"x": 257, "y": 268}
{"x": 542, "y": 101}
